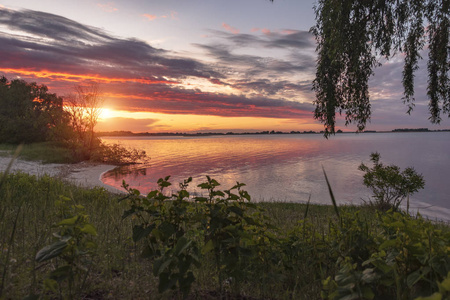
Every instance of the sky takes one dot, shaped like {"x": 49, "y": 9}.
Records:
{"x": 189, "y": 66}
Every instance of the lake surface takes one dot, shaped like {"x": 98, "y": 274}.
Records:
{"x": 289, "y": 167}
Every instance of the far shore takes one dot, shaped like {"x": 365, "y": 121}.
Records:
{"x": 85, "y": 174}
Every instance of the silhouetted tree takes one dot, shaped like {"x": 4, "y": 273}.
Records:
{"x": 84, "y": 107}
{"x": 28, "y": 113}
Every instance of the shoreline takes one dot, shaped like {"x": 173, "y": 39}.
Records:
{"x": 84, "y": 174}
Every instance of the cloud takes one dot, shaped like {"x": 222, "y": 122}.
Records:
{"x": 60, "y": 52}
{"x": 150, "y": 17}
{"x": 229, "y": 28}
{"x": 108, "y": 7}
{"x": 173, "y": 15}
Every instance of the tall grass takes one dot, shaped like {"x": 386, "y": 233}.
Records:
{"x": 305, "y": 250}
{"x": 46, "y": 152}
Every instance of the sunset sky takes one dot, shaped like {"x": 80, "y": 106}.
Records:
{"x": 189, "y": 66}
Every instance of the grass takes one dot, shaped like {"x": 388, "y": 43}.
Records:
{"x": 29, "y": 214}
{"x": 46, "y": 152}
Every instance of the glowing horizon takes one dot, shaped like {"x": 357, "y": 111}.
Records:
{"x": 242, "y": 74}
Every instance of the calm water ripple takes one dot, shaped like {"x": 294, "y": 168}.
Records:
{"x": 289, "y": 167}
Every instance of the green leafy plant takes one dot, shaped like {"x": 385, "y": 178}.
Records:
{"x": 388, "y": 184}
{"x": 162, "y": 223}
{"x": 235, "y": 231}
{"x": 71, "y": 251}
{"x": 398, "y": 257}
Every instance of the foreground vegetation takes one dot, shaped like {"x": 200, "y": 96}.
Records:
{"x": 62, "y": 241}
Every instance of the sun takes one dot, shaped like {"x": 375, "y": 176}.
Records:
{"x": 106, "y": 113}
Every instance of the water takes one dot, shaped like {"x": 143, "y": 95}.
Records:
{"x": 289, "y": 167}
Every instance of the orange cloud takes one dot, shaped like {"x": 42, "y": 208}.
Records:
{"x": 230, "y": 28}
{"x": 108, "y": 7}
{"x": 150, "y": 17}
{"x": 78, "y": 77}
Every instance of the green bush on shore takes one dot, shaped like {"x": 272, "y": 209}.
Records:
{"x": 258, "y": 251}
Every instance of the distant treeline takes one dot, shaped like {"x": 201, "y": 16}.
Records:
{"x": 129, "y": 133}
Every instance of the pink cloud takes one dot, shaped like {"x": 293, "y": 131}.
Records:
{"x": 173, "y": 16}
{"x": 150, "y": 17}
{"x": 266, "y": 31}
{"x": 108, "y": 7}
{"x": 263, "y": 30}
{"x": 230, "y": 28}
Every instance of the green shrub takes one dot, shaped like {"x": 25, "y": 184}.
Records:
{"x": 388, "y": 184}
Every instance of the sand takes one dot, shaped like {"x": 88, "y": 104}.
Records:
{"x": 84, "y": 174}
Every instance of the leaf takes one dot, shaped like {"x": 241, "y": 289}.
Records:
{"x": 209, "y": 246}
{"x": 140, "y": 232}
{"x": 245, "y": 195}
{"x": 128, "y": 213}
{"x": 159, "y": 266}
{"x": 413, "y": 278}
{"x": 89, "y": 229}
{"x": 51, "y": 251}
{"x": 70, "y": 221}
{"x": 435, "y": 296}
{"x": 182, "y": 244}
{"x": 388, "y": 244}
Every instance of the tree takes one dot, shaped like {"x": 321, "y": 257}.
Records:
{"x": 352, "y": 37}
{"x": 28, "y": 113}
{"x": 388, "y": 184}
{"x": 84, "y": 107}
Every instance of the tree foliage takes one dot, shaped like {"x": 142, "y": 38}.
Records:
{"x": 29, "y": 113}
{"x": 353, "y": 36}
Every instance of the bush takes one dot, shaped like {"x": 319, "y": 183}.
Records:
{"x": 388, "y": 184}
{"x": 117, "y": 154}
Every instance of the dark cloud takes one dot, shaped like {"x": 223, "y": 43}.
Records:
{"x": 140, "y": 77}
{"x": 177, "y": 100}
{"x": 59, "y": 43}
{"x": 292, "y": 39}
{"x": 50, "y": 26}
{"x": 269, "y": 88}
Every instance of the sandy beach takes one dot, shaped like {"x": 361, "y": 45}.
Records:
{"x": 86, "y": 174}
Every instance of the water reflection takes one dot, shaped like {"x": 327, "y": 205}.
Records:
{"x": 289, "y": 167}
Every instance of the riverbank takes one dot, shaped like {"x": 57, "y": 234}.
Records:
{"x": 85, "y": 174}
